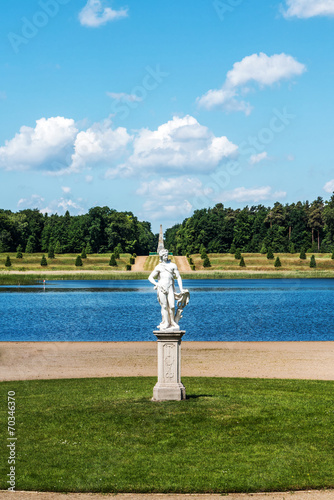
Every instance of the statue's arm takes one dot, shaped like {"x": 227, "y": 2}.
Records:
{"x": 154, "y": 274}
{"x": 179, "y": 279}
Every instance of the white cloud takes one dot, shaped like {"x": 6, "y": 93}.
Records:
{"x": 35, "y": 201}
{"x": 89, "y": 179}
{"x": 99, "y": 144}
{"x": 43, "y": 145}
{"x": 256, "y": 194}
{"x": 329, "y": 186}
{"x": 94, "y": 14}
{"x": 309, "y": 8}
{"x": 257, "y": 68}
{"x": 122, "y": 96}
{"x": 170, "y": 198}
{"x": 254, "y": 159}
{"x": 181, "y": 145}
{"x": 66, "y": 189}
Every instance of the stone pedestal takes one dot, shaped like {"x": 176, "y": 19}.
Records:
{"x": 169, "y": 385}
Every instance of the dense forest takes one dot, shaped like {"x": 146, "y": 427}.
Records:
{"x": 99, "y": 231}
{"x": 283, "y": 228}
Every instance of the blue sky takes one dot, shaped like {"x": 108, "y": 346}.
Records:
{"x": 164, "y": 107}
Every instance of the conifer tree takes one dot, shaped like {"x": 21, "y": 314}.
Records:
{"x": 128, "y": 267}
{"x": 270, "y": 254}
{"x": 132, "y": 260}
{"x": 30, "y": 248}
{"x": 8, "y": 262}
{"x": 277, "y": 262}
{"x": 237, "y": 254}
{"x": 83, "y": 253}
{"x": 302, "y": 254}
{"x": 203, "y": 253}
{"x": 44, "y": 261}
{"x": 312, "y": 262}
{"x": 51, "y": 252}
{"x": 112, "y": 261}
{"x": 78, "y": 261}
{"x": 292, "y": 248}
{"x": 88, "y": 249}
{"x": 206, "y": 262}
{"x": 116, "y": 252}
{"x": 263, "y": 249}
{"x": 233, "y": 249}
{"x": 19, "y": 251}
{"x": 242, "y": 262}
{"x": 58, "y": 247}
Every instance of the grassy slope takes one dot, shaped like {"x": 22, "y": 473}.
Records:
{"x": 229, "y": 435}
{"x": 222, "y": 266}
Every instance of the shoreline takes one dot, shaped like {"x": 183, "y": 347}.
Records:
{"x": 312, "y": 360}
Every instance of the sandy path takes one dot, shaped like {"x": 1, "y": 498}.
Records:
{"x": 47, "y": 360}
{"x": 182, "y": 264}
{"x": 139, "y": 263}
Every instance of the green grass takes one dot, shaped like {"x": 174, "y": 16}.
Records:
{"x": 63, "y": 262}
{"x": 230, "y": 435}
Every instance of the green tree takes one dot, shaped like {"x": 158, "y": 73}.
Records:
{"x": 302, "y": 254}
{"x": 242, "y": 262}
{"x": 332, "y": 256}
{"x": 206, "y": 262}
{"x": 19, "y": 251}
{"x": 233, "y": 249}
{"x": 316, "y": 218}
{"x": 83, "y": 253}
{"x": 78, "y": 261}
{"x": 89, "y": 249}
{"x": 112, "y": 261}
{"x": 312, "y": 261}
{"x": 44, "y": 261}
{"x": 292, "y": 248}
{"x": 31, "y": 244}
{"x": 270, "y": 254}
{"x": 132, "y": 260}
{"x": 58, "y": 248}
{"x": 8, "y": 262}
{"x": 51, "y": 252}
{"x": 237, "y": 254}
{"x": 263, "y": 249}
{"x": 203, "y": 252}
{"x": 277, "y": 262}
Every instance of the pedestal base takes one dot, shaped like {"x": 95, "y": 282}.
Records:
{"x": 169, "y": 392}
{"x": 169, "y": 386}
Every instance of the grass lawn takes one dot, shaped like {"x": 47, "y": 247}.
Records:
{"x": 259, "y": 263}
{"x": 63, "y": 262}
{"x": 230, "y": 435}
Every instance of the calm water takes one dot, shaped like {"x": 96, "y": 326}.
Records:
{"x": 233, "y": 310}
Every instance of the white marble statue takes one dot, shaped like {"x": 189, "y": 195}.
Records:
{"x": 166, "y": 272}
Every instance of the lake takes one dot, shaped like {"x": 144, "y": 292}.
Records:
{"x": 127, "y": 310}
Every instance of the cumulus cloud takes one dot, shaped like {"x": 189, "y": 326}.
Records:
{"x": 180, "y": 145}
{"x": 329, "y": 186}
{"x": 66, "y": 189}
{"x": 94, "y": 14}
{"x": 43, "y": 145}
{"x": 257, "y": 68}
{"x": 308, "y": 8}
{"x": 99, "y": 144}
{"x": 56, "y": 146}
{"x": 255, "y": 195}
{"x": 34, "y": 201}
{"x": 254, "y": 159}
{"x": 170, "y": 198}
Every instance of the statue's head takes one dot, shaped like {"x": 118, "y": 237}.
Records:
{"x": 163, "y": 254}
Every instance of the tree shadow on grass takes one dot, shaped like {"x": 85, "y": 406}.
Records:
{"x": 197, "y": 396}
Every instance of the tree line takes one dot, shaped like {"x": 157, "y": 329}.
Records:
{"x": 101, "y": 230}
{"x": 281, "y": 228}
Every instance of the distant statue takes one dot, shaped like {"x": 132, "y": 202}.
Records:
{"x": 166, "y": 272}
